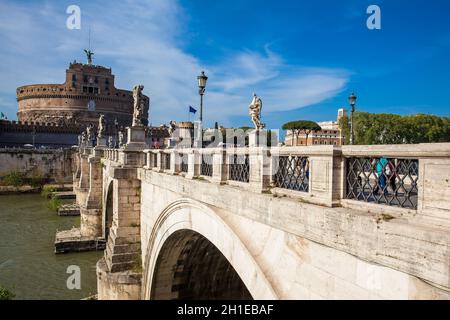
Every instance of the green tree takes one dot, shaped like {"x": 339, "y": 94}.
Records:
{"x": 344, "y": 125}
{"x": 299, "y": 126}
{"x": 385, "y": 128}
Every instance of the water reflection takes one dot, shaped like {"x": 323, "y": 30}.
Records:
{"x": 28, "y": 265}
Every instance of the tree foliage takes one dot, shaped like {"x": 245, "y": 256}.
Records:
{"x": 384, "y": 128}
{"x": 299, "y": 126}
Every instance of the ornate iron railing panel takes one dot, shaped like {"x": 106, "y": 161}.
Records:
{"x": 206, "y": 168}
{"x": 292, "y": 173}
{"x": 387, "y": 181}
{"x": 239, "y": 168}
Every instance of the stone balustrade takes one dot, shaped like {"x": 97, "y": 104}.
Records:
{"x": 347, "y": 176}
{"x": 111, "y": 154}
{"x": 332, "y": 195}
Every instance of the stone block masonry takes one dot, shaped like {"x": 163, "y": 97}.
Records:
{"x": 52, "y": 164}
{"x": 174, "y": 233}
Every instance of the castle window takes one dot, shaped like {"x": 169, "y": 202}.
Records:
{"x": 85, "y": 89}
{"x": 96, "y": 80}
{"x": 91, "y": 89}
{"x": 95, "y": 90}
{"x": 74, "y": 77}
{"x": 85, "y": 78}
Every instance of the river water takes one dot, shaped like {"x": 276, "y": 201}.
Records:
{"x": 28, "y": 265}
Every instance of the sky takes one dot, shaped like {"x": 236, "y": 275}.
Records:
{"x": 303, "y": 58}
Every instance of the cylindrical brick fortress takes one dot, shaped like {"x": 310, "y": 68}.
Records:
{"x": 87, "y": 92}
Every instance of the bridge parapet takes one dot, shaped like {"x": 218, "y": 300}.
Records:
{"x": 389, "y": 205}
{"x": 399, "y": 179}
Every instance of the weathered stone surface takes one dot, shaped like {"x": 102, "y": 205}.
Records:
{"x": 282, "y": 244}
{"x": 71, "y": 209}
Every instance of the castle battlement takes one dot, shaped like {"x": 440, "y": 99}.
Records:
{"x": 19, "y": 126}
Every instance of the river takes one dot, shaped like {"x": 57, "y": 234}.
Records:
{"x": 28, "y": 265}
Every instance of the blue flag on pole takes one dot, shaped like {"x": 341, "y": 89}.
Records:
{"x": 192, "y": 110}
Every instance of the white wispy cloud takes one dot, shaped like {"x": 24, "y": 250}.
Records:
{"x": 143, "y": 42}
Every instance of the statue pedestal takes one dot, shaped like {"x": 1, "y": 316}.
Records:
{"x": 101, "y": 142}
{"x": 257, "y": 138}
{"x": 135, "y": 138}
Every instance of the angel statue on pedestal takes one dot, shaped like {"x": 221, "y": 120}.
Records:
{"x": 254, "y": 111}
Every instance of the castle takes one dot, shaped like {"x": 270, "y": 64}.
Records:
{"x": 55, "y": 114}
{"x": 87, "y": 92}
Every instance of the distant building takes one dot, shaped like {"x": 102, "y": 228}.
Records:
{"x": 157, "y": 137}
{"x": 331, "y": 134}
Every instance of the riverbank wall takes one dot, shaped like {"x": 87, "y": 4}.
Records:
{"x": 51, "y": 165}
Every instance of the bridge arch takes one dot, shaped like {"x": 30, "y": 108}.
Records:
{"x": 188, "y": 240}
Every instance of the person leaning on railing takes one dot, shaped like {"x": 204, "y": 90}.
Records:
{"x": 386, "y": 174}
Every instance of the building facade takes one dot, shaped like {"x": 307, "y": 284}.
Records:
{"x": 331, "y": 134}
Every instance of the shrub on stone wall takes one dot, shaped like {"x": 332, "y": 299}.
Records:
{"x": 6, "y": 294}
{"x": 37, "y": 180}
{"x": 47, "y": 191}
{"x": 13, "y": 178}
{"x": 54, "y": 204}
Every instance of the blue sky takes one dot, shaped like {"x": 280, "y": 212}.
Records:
{"x": 302, "y": 57}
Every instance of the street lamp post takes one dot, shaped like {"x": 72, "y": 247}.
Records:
{"x": 202, "y": 78}
{"x": 352, "y": 101}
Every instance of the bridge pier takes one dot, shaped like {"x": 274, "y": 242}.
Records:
{"x": 81, "y": 184}
{"x": 89, "y": 198}
{"x": 91, "y": 210}
{"x": 119, "y": 272}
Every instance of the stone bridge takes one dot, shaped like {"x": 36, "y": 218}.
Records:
{"x": 268, "y": 223}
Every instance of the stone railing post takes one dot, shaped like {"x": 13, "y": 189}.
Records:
{"x": 433, "y": 185}
{"x": 160, "y": 161}
{"x": 148, "y": 159}
{"x": 194, "y": 163}
{"x": 175, "y": 162}
{"x": 219, "y": 165}
{"x": 259, "y": 175}
{"x": 326, "y": 174}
